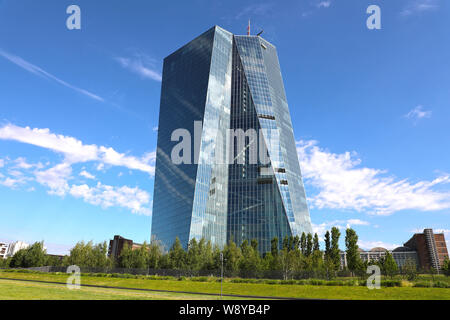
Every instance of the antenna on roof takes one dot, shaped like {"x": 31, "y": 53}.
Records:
{"x": 260, "y": 33}
{"x": 248, "y": 27}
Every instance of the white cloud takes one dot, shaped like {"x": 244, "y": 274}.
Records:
{"x": 2, "y": 163}
{"x": 418, "y": 113}
{"x": 87, "y": 175}
{"x": 419, "y": 6}
{"x": 21, "y": 163}
{"x": 141, "y": 65}
{"x": 74, "y": 150}
{"x": 260, "y": 9}
{"x": 11, "y": 182}
{"x": 135, "y": 199}
{"x": 341, "y": 184}
{"x": 323, "y": 4}
{"x": 44, "y": 74}
{"x": 322, "y": 228}
{"x": 55, "y": 178}
{"x": 357, "y": 222}
{"x": 367, "y": 245}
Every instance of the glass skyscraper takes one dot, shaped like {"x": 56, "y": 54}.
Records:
{"x": 215, "y": 87}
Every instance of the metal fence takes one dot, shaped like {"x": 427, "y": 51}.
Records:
{"x": 249, "y": 274}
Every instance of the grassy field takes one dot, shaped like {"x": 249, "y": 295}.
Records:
{"x": 29, "y": 290}
{"x": 19, "y": 290}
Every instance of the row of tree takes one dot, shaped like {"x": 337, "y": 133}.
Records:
{"x": 298, "y": 257}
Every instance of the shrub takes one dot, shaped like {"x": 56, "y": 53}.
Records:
{"x": 391, "y": 283}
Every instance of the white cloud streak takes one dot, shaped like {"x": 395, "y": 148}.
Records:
{"x": 418, "y": 113}
{"x": 419, "y": 6}
{"x": 46, "y": 75}
{"x": 340, "y": 183}
{"x": 87, "y": 175}
{"x": 323, "y": 4}
{"x": 141, "y": 65}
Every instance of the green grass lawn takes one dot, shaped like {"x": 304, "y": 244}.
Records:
{"x": 279, "y": 290}
{"x": 19, "y": 290}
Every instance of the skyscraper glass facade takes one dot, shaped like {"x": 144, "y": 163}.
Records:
{"x": 227, "y": 83}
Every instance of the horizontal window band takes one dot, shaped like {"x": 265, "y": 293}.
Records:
{"x": 265, "y": 116}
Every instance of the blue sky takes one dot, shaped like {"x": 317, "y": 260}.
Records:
{"x": 79, "y": 112}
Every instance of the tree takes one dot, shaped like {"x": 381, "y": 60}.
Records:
{"x": 17, "y": 260}
{"x": 354, "y": 262}
{"x": 154, "y": 254}
{"x": 52, "y": 261}
{"x": 177, "y": 255}
{"x": 33, "y": 256}
{"x": 303, "y": 243}
{"x": 249, "y": 264}
{"x": 446, "y": 267}
{"x": 409, "y": 269}
{"x": 327, "y": 245}
{"x": 125, "y": 259}
{"x": 89, "y": 255}
{"x": 274, "y": 247}
{"x": 309, "y": 245}
{"x": 316, "y": 246}
{"x": 334, "y": 248}
{"x": 390, "y": 267}
{"x": 232, "y": 255}
{"x": 5, "y": 263}
{"x": 288, "y": 260}
{"x": 193, "y": 258}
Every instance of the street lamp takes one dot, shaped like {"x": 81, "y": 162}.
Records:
{"x": 221, "y": 274}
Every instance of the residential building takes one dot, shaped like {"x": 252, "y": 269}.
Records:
{"x": 16, "y": 246}
{"x": 117, "y": 244}
{"x": 3, "y": 250}
{"x": 431, "y": 248}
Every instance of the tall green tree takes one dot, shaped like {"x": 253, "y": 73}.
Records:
{"x": 154, "y": 254}
{"x": 446, "y": 267}
{"x": 327, "y": 245}
{"x": 274, "y": 246}
{"x": 232, "y": 255}
{"x": 309, "y": 245}
{"x": 177, "y": 255}
{"x": 354, "y": 262}
{"x": 303, "y": 243}
{"x": 250, "y": 262}
{"x": 316, "y": 246}
{"x": 409, "y": 269}
{"x": 193, "y": 257}
{"x": 334, "y": 249}
{"x": 389, "y": 266}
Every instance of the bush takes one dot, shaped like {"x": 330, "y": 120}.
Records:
{"x": 423, "y": 284}
{"x": 441, "y": 284}
{"x": 391, "y": 283}
{"x": 200, "y": 279}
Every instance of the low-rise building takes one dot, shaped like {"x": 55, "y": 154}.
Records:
{"x": 431, "y": 249}
{"x": 16, "y": 246}
{"x": 427, "y": 250}
{"x": 401, "y": 255}
{"x": 3, "y": 250}
{"x": 117, "y": 244}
